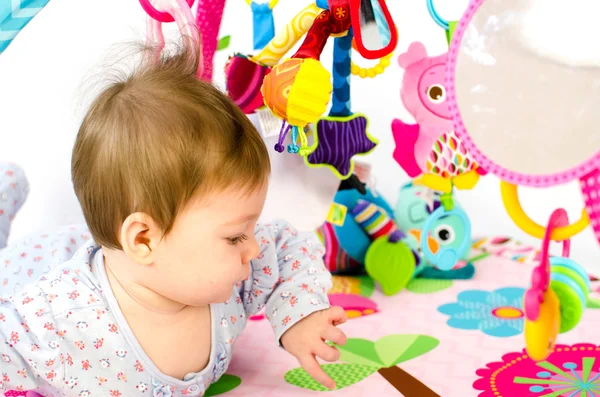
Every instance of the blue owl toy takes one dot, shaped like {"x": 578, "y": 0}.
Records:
{"x": 448, "y": 231}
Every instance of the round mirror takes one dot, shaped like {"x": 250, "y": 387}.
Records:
{"x": 525, "y": 103}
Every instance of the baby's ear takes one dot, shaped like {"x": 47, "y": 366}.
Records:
{"x": 140, "y": 235}
{"x": 416, "y": 51}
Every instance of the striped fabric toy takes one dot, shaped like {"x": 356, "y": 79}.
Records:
{"x": 373, "y": 220}
{"x": 336, "y": 259}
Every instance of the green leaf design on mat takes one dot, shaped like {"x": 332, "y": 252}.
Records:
{"x": 367, "y": 286}
{"x": 223, "y": 43}
{"x": 428, "y": 285}
{"x": 395, "y": 349}
{"x": 593, "y": 303}
{"x": 225, "y": 384}
{"x": 344, "y": 375}
{"x": 360, "y": 351}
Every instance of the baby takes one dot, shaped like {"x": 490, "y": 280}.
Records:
{"x": 149, "y": 298}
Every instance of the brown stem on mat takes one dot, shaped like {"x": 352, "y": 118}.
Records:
{"x": 405, "y": 383}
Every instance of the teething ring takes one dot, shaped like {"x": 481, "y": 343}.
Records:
{"x": 541, "y": 304}
{"x": 540, "y": 335}
{"x": 160, "y": 16}
{"x": 540, "y": 278}
{"x": 510, "y": 197}
{"x": 555, "y": 302}
{"x": 371, "y": 72}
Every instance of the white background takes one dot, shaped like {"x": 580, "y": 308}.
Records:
{"x": 42, "y": 99}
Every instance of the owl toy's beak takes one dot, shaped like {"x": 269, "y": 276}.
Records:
{"x": 434, "y": 246}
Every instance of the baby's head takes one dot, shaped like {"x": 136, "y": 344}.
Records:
{"x": 172, "y": 177}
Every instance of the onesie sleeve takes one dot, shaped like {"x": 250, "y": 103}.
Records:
{"x": 29, "y": 344}
{"x": 288, "y": 278}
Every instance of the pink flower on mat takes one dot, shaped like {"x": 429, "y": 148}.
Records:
{"x": 354, "y": 305}
{"x": 568, "y": 371}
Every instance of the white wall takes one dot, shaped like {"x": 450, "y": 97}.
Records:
{"x": 41, "y": 104}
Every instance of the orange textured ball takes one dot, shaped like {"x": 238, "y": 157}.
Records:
{"x": 277, "y": 85}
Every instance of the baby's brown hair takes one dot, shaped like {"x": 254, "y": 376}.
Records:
{"x": 156, "y": 139}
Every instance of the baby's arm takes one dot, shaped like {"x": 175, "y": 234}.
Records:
{"x": 291, "y": 277}
{"x": 29, "y": 345}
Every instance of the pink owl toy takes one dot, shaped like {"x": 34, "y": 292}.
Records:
{"x": 430, "y": 148}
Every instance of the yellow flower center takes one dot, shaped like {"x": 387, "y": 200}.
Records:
{"x": 509, "y": 313}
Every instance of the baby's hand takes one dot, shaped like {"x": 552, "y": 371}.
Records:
{"x": 306, "y": 341}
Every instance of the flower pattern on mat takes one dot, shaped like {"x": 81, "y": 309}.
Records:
{"x": 570, "y": 371}
{"x": 496, "y": 313}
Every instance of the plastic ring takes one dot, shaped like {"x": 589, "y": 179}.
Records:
{"x": 575, "y": 267}
{"x": 571, "y": 284}
{"x": 514, "y": 209}
{"x": 160, "y": 16}
{"x": 540, "y": 277}
{"x": 580, "y": 289}
{"x": 571, "y": 307}
{"x": 371, "y": 72}
{"x": 436, "y": 17}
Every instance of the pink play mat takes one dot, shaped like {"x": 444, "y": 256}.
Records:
{"x": 457, "y": 338}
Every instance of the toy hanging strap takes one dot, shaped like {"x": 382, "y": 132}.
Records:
{"x": 285, "y": 128}
{"x": 208, "y": 19}
{"x": 448, "y": 26}
{"x": 340, "y": 100}
{"x": 263, "y": 22}
{"x": 382, "y": 26}
{"x": 286, "y": 38}
{"x": 14, "y": 16}
{"x": 172, "y": 10}
{"x": 541, "y": 274}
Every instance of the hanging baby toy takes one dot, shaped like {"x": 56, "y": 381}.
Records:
{"x": 524, "y": 106}
{"x": 206, "y": 25}
{"x": 430, "y": 149}
{"x": 263, "y": 22}
{"x": 245, "y": 74}
{"x": 299, "y": 89}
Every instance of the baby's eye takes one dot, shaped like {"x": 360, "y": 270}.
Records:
{"x": 237, "y": 239}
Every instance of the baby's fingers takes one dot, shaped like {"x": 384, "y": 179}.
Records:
{"x": 312, "y": 367}
{"x": 335, "y": 335}
{"x": 337, "y": 315}
{"x": 326, "y": 352}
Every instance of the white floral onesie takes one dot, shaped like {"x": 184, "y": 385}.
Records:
{"x": 64, "y": 335}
